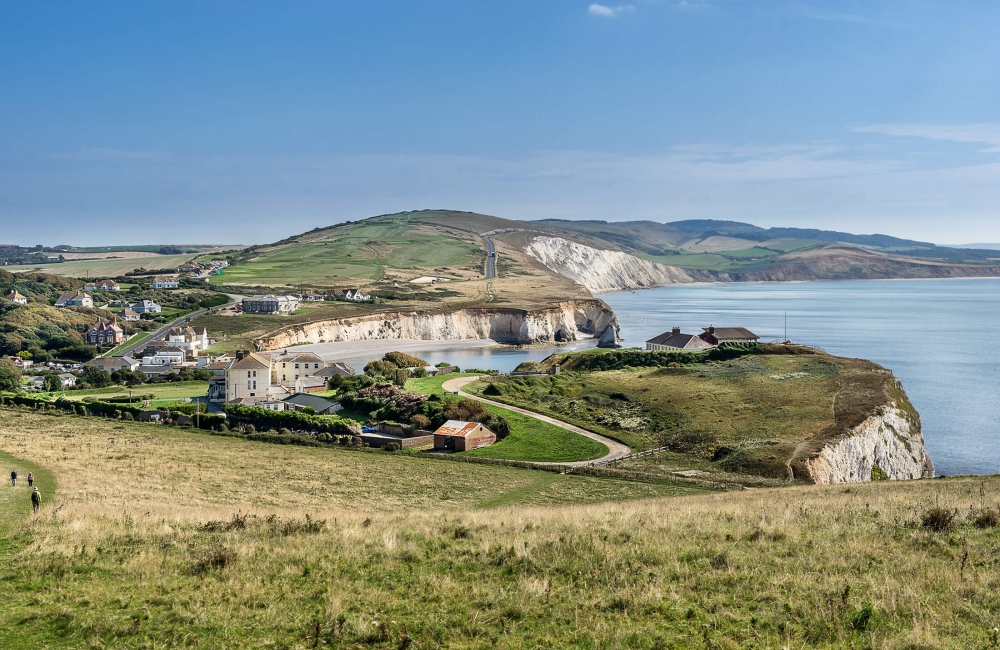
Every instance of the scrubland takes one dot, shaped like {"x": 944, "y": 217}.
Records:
{"x": 157, "y": 537}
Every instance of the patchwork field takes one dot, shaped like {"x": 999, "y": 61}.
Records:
{"x": 105, "y": 268}
{"x": 155, "y": 537}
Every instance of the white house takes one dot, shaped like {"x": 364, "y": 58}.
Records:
{"x": 75, "y": 299}
{"x": 146, "y": 307}
{"x": 67, "y": 379}
{"x": 130, "y": 316}
{"x": 16, "y": 297}
{"x": 164, "y": 282}
{"x": 103, "y": 285}
{"x": 164, "y": 357}
{"x": 189, "y": 339}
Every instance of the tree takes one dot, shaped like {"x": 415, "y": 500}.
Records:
{"x": 401, "y": 376}
{"x": 128, "y": 377}
{"x": 10, "y": 379}
{"x": 96, "y": 377}
{"x": 53, "y": 384}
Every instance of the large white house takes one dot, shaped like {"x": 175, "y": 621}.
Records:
{"x": 270, "y": 304}
{"x": 16, "y": 297}
{"x": 252, "y": 375}
{"x": 164, "y": 282}
{"x": 75, "y": 299}
{"x": 190, "y": 339}
{"x": 146, "y": 307}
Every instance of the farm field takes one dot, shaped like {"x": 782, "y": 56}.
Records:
{"x": 106, "y": 268}
{"x": 529, "y": 439}
{"x": 157, "y": 537}
{"x": 166, "y": 391}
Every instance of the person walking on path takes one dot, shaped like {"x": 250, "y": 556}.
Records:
{"x": 31, "y": 479}
{"x": 13, "y": 478}
{"x": 36, "y": 500}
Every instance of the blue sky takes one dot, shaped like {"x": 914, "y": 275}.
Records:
{"x": 246, "y": 122}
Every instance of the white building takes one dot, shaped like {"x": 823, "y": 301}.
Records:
{"x": 190, "y": 339}
{"x": 75, "y": 299}
{"x": 164, "y": 282}
{"x": 165, "y": 356}
{"x": 146, "y": 307}
{"x": 16, "y": 297}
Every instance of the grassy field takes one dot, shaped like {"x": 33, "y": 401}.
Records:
{"x": 162, "y": 538}
{"x": 106, "y": 268}
{"x": 166, "y": 391}
{"x": 360, "y": 251}
{"x": 760, "y": 408}
{"x": 139, "y": 337}
{"x": 529, "y": 439}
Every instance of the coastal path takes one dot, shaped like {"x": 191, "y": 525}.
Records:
{"x": 616, "y": 450}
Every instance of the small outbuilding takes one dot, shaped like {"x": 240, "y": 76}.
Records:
{"x": 674, "y": 340}
{"x": 716, "y": 335}
{"x": 456, "y": 435}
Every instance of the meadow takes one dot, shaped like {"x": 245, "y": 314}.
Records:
{"x": 157, "y": 537}
{"x": 105, "y": 268}
{"x": 360, "y": 251}
{"x": 529, "y": 439}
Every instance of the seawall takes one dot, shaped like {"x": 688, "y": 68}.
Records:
{"x": 566, "y": 321}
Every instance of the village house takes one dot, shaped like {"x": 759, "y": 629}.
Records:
{"x": 165, "y": 356}
{"x": 309, "y": 296}
{"x": 190, "y": 339}
{"x": 249, "y": 375}
{"x": 674, "y": 340}
{"x": 456, "y": 435}
{"x": 352, "y": 295}
{"x": 302, "y": 401}
{"x": 130, "y": 316}
{"x": 257, "y": 375}
{"x": 75, "y": 299}
{"x": 68, "y": 380}
{"x": 716, "y": 335}
{"x": 270, "y": 304}
{"x": 15, "y": 296}
{"x": 219, "y": 264}
{"x": 188, "y": 267}
{"x": 111, "y": 364}
{"x": 103, "y": 285}
{"x": 22, "y": 364}
{"x": 164, "y": 282}
{"x": 103, "y": 333}
{"x": 288, "y": 368}
{"x": 146, "y": 307}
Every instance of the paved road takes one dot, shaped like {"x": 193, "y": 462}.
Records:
{"x": 616, "y": 449}
{"x": 161, "y": 332}
{"x": 491, "y": 258}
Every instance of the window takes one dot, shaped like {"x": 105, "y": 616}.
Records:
{"x": 254, "y": 373}
{"x": 255, "y": 385}
{"x": 296, "y": 366}
{"x": 315, "y": 365}
{"x": 248, "y": 384}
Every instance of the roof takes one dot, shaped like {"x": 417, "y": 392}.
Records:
{"x": 14, "y": 294}
{"x": 732, "y": 333}
{"x": 67, "y": 375}
{"x": 311, "y": 380}
{"x": 679, "y": 341}
{"x": 307, "y": 357}
{"x": 169, "y": 349}
{"x": 165, "y": 278}
{"x": 305, "y": 399}
{"x": 252, "y": 361}
{"x": 336, "y": 368}
{"x": 457, "y": 428}
{"x": 112, "y": 362}
{"x": 128, "y": 313}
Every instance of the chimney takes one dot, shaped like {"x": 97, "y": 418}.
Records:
{"x": 241, "y": 354}
{"x": 676, "y": 330}
{"x": 711, "y": 329}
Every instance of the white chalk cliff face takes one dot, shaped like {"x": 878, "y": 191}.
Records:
{"x": 887, "y": 440}
{"x": 602, "y": 271}
{"x": 565, "y": 322}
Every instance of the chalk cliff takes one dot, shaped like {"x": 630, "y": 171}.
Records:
{"x": 603, "y": 270}
{"x": 566, "y": 321}
{"x": 887, "y": 446}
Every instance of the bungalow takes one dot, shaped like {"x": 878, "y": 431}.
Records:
{"x": 456, "y": 435}
{"x": 102, "y": 333}
{"x": 309, "y": 296}
{"x": 674, "y": 340}
{"x": 155, "y": 371}
{"x": 716, "y": 335}
{"x": 164, "y": 282}
{"x": 15, "y": 297}
{"x": 352, "y": 295}
{"x": 103, "y": 285}
{"x": 165, "y": 356}
{"x": 311, "y": 384}
{"x": 130, "y": 316}
{"x": 188, "y": 267}
{"x": 75, "y": 299}
{"x": 111, "y": 364}
{"x": 68, "y": 380}
{"x": 270, "y": 304}
{"x": 146, "y": 307}
{"x": 301, "y": 401}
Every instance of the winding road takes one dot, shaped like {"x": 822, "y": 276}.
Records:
{"x": 162, "y": 331}
{"x": 616, "y": 449}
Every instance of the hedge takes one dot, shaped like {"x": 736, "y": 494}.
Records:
{"x": 262, "y": 418}
{"x": 206, "y": 421}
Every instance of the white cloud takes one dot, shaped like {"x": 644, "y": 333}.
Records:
{"x": 605, "y": 11}
{"x": 692, "y": 5}
{"x": 984, "y": 133}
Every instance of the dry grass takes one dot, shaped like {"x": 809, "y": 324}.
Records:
{"x": 146, "y": 552}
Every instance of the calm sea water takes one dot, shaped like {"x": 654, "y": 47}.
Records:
{"x": 939, "y": 336}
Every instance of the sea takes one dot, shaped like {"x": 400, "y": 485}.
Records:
{"x": 940, "y": 337}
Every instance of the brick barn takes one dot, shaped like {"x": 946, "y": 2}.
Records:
{"x": 455, "y": 435}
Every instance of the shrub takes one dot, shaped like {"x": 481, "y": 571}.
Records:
{"x": 986, "y": 518}
{"x": 403, "y": 360}
{"x": 400, "y": 377}
{"x": 938, "y": 519}
{"x": 250, "y": 429}
{"x": 392, "y": 446}
{"x": 878, "y": 474}
{"x": 285, "y": 432}
{"x": 864, "y": 619}
{"x": 420, "y": 421}
{"x": 217, "y": 557}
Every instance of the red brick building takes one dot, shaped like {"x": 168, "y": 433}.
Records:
{"x": 463, "y": 436}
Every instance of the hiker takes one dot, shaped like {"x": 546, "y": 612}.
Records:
{"x": 36, "y": 500}
{"x": 31, "y": 479}
{"x": 13, "y": 478}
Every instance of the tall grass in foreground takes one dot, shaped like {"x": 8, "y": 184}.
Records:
{"x": 896, "y": 565}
